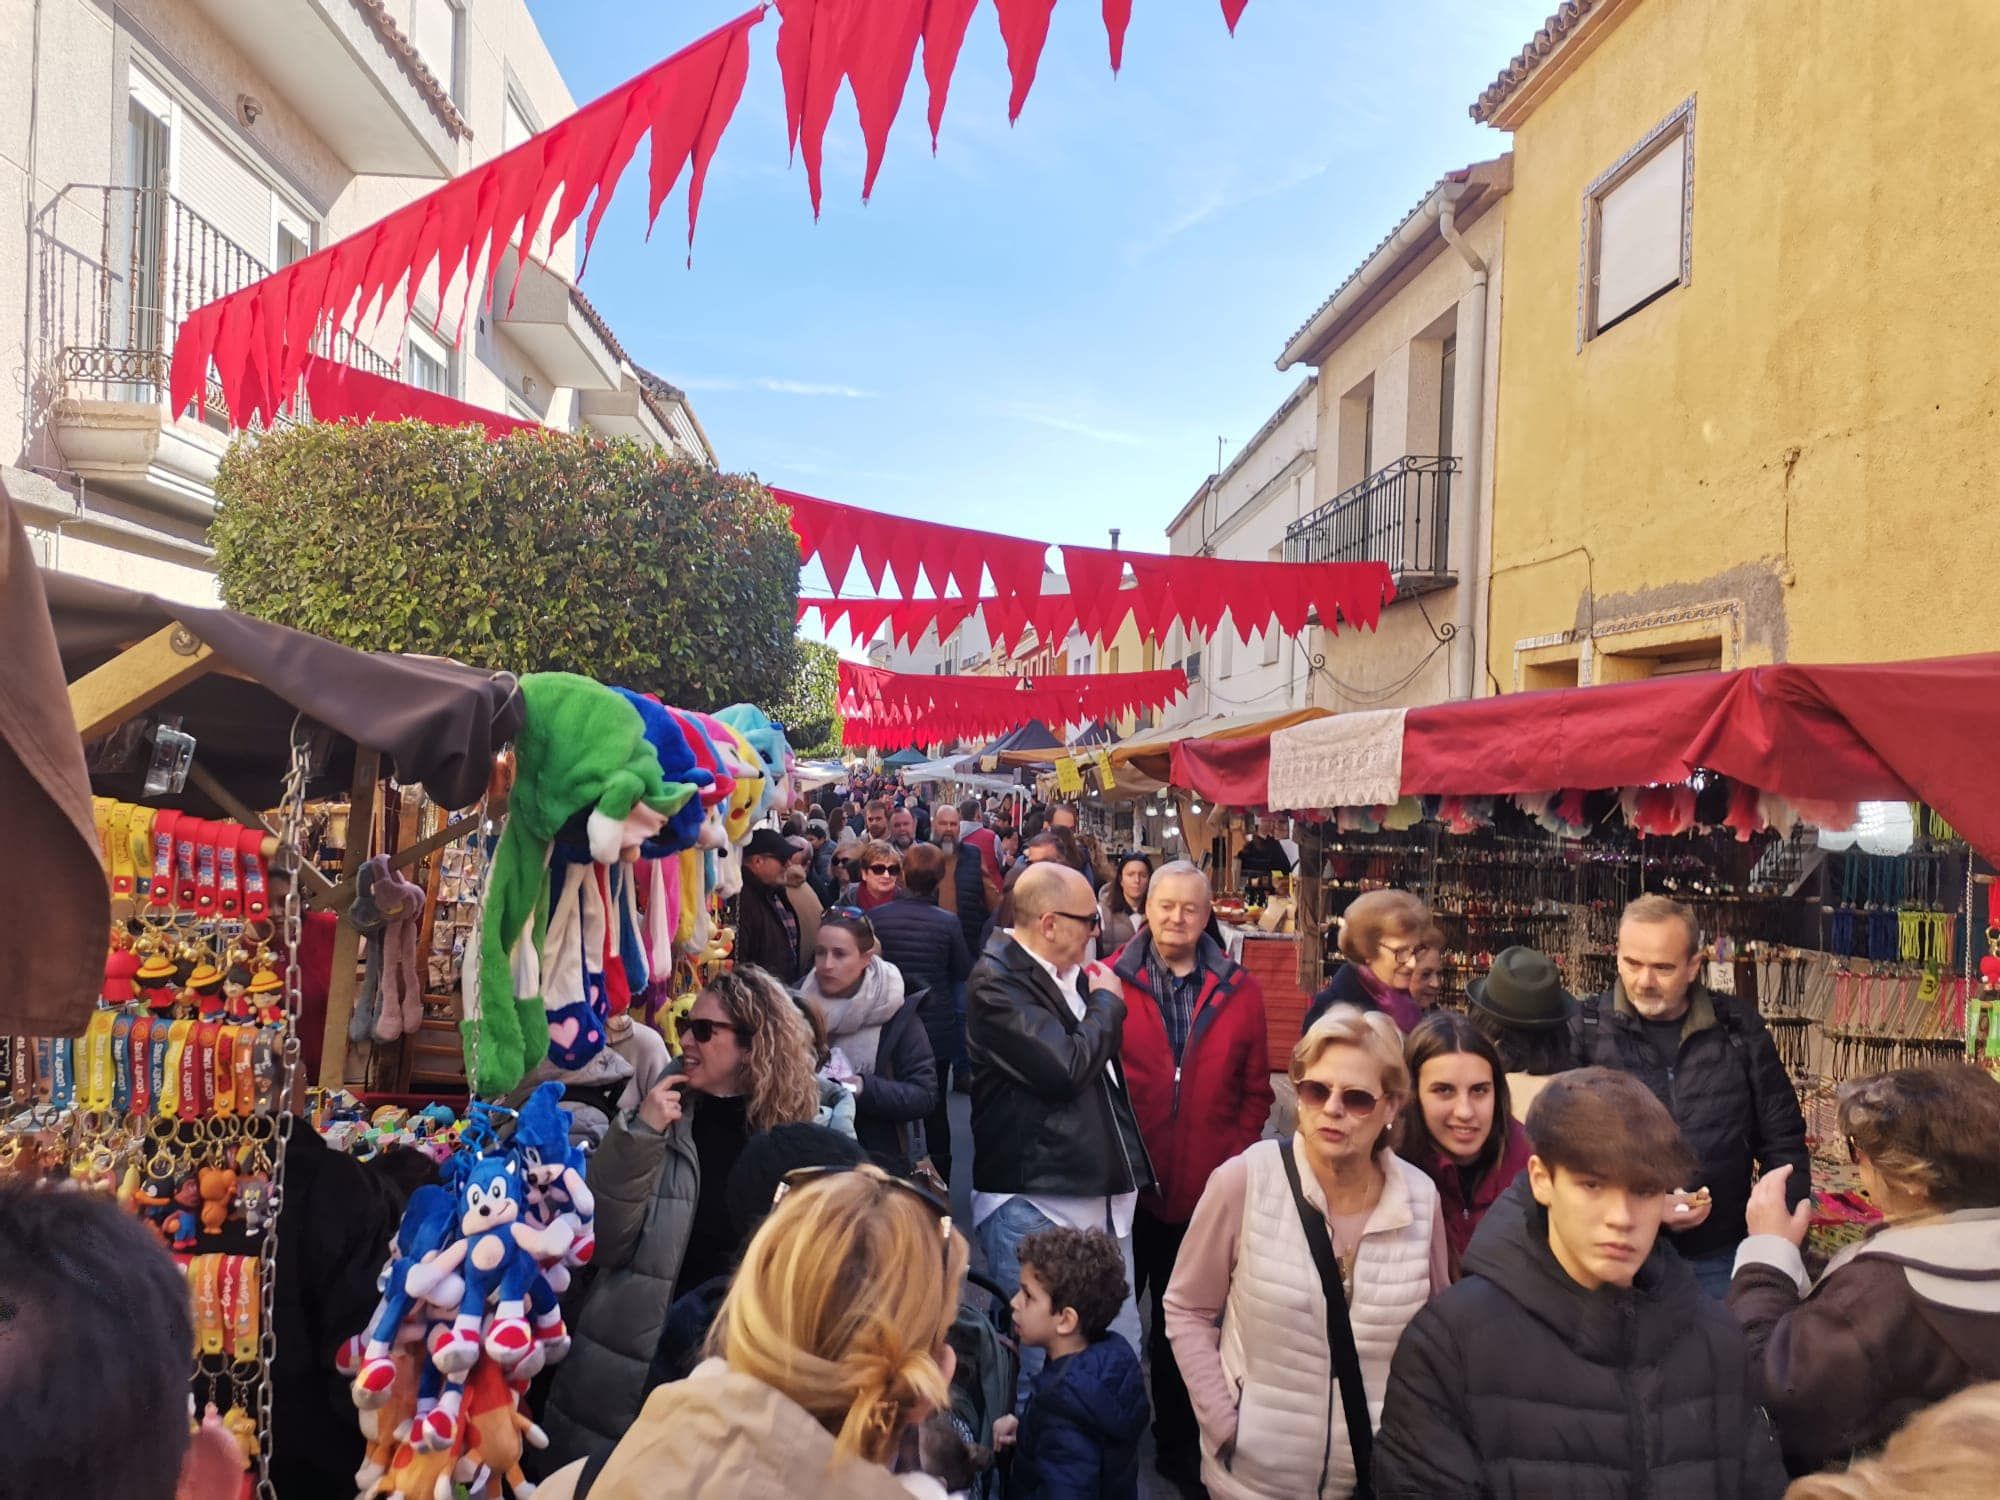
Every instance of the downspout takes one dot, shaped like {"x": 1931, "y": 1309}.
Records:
{"x": 1469, "y": 543}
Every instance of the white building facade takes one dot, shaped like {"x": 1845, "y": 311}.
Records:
{"x": 157, "y": 154}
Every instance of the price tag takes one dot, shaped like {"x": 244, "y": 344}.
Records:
{"x": 1069, "y": 780}
{"x": 1107, "y": 778}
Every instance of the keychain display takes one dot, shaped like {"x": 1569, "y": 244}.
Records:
{"x": 174, "y": 1103}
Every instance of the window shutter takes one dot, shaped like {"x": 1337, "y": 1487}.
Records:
{"x": 435, "y": 35}
{"x": 1639, "y": 233}
{"x": 219, "y": 186}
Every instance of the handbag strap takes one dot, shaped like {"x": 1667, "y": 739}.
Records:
{"x": 1339, "y": 1333}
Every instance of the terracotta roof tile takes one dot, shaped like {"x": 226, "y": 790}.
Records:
{"x": 405, "y": 53}
{"x": 1568, "y": 16}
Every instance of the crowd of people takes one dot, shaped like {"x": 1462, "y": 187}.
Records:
{"x": 1548, "y": 1246}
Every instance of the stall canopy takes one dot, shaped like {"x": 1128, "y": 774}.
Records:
{"x": 908, "y": 756}
{"x": 1922, "y": 730}
{"x": 1033, "y": 735}
{"x": 1143, "y": 763}
{"x": 437, "y": 722}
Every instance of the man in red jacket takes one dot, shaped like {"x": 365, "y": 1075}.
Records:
{"x": 1197, "y": 1060}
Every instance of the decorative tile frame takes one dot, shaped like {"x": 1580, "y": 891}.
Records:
{"x": 1680, "y": 120}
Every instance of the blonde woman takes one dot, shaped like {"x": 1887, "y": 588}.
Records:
{"x": 1303, "y": 1263}
{"x": 663, "y": 1224}
{"x": 1944, "y": 1452}
{"x": 830, "y": 1347}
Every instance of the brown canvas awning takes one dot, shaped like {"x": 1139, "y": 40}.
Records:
{"x": 436, "y": 722}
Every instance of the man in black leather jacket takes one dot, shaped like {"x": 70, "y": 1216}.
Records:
{"x": 1055, "y": 1140}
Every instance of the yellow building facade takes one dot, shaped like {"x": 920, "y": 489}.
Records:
{"x": 1749, "y": 390}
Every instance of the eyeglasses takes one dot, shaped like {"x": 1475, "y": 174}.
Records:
{"x": 703, "y": 1030}
{"x": 881, "y": 869}
{"x": 1094, "y": 920}
{"x": 1400, "y": 953}
{"x": 1316, "y": 1095}
{"x": 800, "y": 1177}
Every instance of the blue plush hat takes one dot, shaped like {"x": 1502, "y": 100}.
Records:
{"x": 677, "y": 763}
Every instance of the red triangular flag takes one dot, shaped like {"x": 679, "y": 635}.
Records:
{"x": 1024, "y": 26}
{"x": 1117, "y": 16}
{"x": 945, "y": 23}
{"x": 881, "y": 50}
{"x": 1232, "y": 12}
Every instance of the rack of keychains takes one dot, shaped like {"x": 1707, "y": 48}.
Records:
{"x": 174, "y": 1100}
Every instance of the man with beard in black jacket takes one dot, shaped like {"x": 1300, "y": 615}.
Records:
{"x": 1578, "y": 1356}
{"x": 1055, "y": 1140}
{"x": 1711, "y": 1061}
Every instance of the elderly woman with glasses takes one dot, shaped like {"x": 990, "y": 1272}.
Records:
{"x": 1303, "y": 1263}
{"x": 659, "y": 1179}
{"x": 878, "y": 875}
{"x": 1382, "y": 935}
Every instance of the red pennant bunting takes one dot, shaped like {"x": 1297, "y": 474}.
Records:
{"x": 882, "y": 50}
{"x": 341, "y": 393}
{"x": 843, "y": 531}
{"x": 945, "y": 23}
{"x": 252, "y": 337}
{"x": 885, "y": 708}
{"x": 1232, "y": 12}
{"x": 1117, "y": 16}
{"x": 1024, "y": 26}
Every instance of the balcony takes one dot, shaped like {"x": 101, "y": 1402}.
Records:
{"x": 347, "y": 68}
{"x": 1400, "y": 515}
{"x": 551, "y": 324}
{"x": 117, "y": 270}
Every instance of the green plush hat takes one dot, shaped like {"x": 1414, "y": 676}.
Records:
{"x": 582, "y": 747}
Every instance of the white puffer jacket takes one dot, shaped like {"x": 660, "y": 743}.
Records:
{"x": 1291, "y": 1431}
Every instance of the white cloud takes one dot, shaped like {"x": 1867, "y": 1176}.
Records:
{"x": 777, "y": 385}
{"x": 1057, "y": 421}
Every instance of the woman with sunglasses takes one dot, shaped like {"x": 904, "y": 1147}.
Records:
{"x": 659, "y": 1179}
{"x": 1381, "y": 935}
{"x": 878, "y": 875}
{"x": 830, "y": 1349}
{"x": 880, "y": 1035}
{"x": 1303, "y": 1263}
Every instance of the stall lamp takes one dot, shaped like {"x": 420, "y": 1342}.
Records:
{"x": 1194, "y": 807}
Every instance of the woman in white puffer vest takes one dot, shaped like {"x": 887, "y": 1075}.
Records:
{"x": 1247, "y": 1308}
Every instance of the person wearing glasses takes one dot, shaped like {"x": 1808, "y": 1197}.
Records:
{"x": 1054, "y": 1137}
{"x": 1910, "y": 1313}
{"x": 660, "y": 1180}
{"x": 1381, "y": 935}
{"x": 878, "y": 875}
{"x": 830, "y": 1348}
{"x": 1303, "y": 1263}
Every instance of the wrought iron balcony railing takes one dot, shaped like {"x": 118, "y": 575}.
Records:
{"x": 108, "y": 313}
{"x": 1400, "y": 515}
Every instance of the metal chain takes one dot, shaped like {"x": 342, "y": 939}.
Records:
{"x": 291, "y": 831}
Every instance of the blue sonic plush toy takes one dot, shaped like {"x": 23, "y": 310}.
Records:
{"x": 558, "y": 1195}
{"x": 502, "y": 1254}
{"x": 430, "y": 1221}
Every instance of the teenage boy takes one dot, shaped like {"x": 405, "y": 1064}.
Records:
{"x": 1578, "y": 1356}
{"x": 1078, "y": 1436}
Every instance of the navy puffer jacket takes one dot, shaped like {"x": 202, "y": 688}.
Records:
{"x": 1079, "y": 1437}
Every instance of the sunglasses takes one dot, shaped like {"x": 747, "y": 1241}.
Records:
{"x": 1094, "y": 920}
{"x": 800, "y": 1177}
{"x": 881, "y": 869}
{"x": 852, "y": 914}
{"x": 1316, "y": 1095}
{"x": 704, "y": 1030}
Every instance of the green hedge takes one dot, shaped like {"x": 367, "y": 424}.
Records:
{"x": 537, "y": 552}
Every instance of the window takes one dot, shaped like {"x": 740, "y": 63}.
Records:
{"x": 1192, "y": 666}
{"x": 1636, "y": 226}
{"x": 1447, "y": 383}
{"x": 515, "y": 126}
{"x": 426, "y": 363}
{"x": 434, "y": 26}
{"x": 1225, "y": 650}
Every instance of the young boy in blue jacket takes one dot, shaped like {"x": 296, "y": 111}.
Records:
{"x": 1078, "y": 1437}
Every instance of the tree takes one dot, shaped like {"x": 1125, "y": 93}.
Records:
{"x": 540, "y": 551}
{"x": 809, "y": 706}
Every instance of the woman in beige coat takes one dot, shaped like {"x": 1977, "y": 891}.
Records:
{"x": 830, "y": 1348}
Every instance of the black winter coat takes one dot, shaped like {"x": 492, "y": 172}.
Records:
{"x": 761, "y": 936}
{"x": 901, "y": 1091}
{"x": 1517, "y": 1382}
{"x": 1046, "y": 1116}
{"x": 1728, "y": 1092}
{"x": 927, "y": 945}
{"x": 1079, "y": 1437}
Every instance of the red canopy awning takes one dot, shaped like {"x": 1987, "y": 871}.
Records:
{"x": 1927, "y": 730}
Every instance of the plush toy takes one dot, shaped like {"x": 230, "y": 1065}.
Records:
{"x": 748, "y": 773}
{"x": 386, "y": 1425}
{"x": 677, "y": 763}
{"x": 217, "y": 1186}
{"x": 554, "y": 1168}
{"x": 495, "y": 1435}
{"x": 773, "y": 751}
{"x": 428, "y": 1226}
{"x": 502, "y": 1254}
{"x": 582, "y": 748}
{"x": 418, "y": 1474}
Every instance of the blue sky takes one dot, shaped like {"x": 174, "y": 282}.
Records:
{"x": 1044, "y": 329}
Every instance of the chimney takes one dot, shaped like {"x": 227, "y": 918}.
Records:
{"x": 1114, "y": 539}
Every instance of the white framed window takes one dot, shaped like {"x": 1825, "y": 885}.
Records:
{"x": 436, "y": 27}
{"x": 1637, "y": 227}
{"x": 426, "y": 362}
{"x": 291, "y": 234}
{"x": 517, "y": 124}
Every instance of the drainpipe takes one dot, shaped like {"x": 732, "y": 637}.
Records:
{"x": 1470, "y": 545}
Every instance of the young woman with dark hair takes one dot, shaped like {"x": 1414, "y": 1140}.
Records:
{"x": 1461, "y": 1132}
